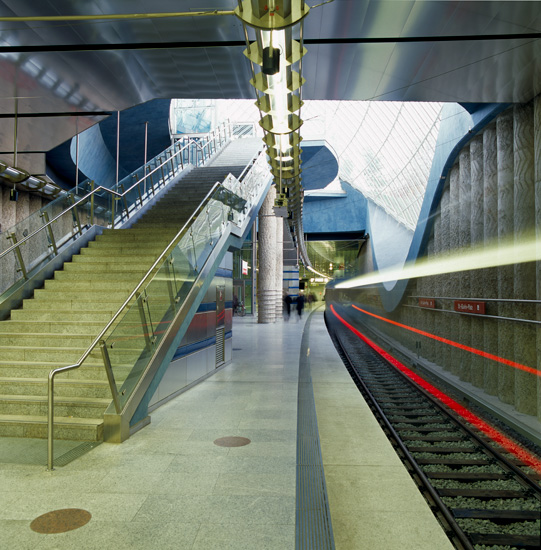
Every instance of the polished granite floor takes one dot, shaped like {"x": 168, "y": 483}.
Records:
{"x": 170, "y": 486}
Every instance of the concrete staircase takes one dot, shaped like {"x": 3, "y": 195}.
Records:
{"x": 56, "y": 326}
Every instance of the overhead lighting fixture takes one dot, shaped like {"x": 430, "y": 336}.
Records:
{"x": 276, "y": 62}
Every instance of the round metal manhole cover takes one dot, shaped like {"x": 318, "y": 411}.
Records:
{"x": 60, "y": 521}
{"x": 232, "y": 441}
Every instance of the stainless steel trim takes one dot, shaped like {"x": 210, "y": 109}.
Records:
{"x": 115, "y": 194}
{"x": 516, "y": 300}
{"x": 54, "y": 372}
{"x": 482, "y": 316}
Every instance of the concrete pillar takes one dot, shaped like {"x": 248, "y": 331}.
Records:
{"x": 464, "y": 241}
{"x": 445, "y": 319}
{"x": 454, "y": 285}
{"x": 438, "y": 282}
{"x": 267, "y": 260}
{"x": 279, "y": 284}
{"x": 537, "y": 163}
{"x": 490, "y": 276}
{"x": 524, "y": 273}
{"x": 476, "y": 280}
{"x": 506, "y": 212}
{"x": 430, "y": 291}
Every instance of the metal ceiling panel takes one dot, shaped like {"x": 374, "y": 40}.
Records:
{"x": 60, "y": 81}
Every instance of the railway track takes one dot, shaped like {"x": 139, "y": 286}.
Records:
{"x": 483, "y": 497}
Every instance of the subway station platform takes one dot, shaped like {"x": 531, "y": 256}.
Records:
{"x": 217, "y": 466}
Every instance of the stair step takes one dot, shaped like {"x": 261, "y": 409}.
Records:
{"x": 78, "y": 429}
{"x": 59, "y": 327}
{"x": 45, "y": 339}
{"x": 108, "y": 265}
{"x": 101, "y": 247}
{"x": 67, "y": 355}
{"x": 99, "y": 273}
{"x": 40, "y": 369}
{"x": 55, "y": 328}
{"x": 107, "y": 258}
{"x": 62, "y": 293}
{"x": 120, "y": 286}
{"x": 48, "y": 316}
{"x": 62, "y": 387}
{"x": 37, "y": 405}
{"x": 88, "y": 304}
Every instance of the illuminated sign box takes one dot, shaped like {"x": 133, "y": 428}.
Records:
{"x": 467, "y": 306}
{"x": 427, "y": 302}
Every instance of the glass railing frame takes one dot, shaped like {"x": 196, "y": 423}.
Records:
{"x": 116, "y": 197}
{"x": 138, "y": 289}
{"x": 250, "y": 199}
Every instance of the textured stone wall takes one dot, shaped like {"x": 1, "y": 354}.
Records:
{"x": 492, "y": 198}
{"x": 12, "y": 213}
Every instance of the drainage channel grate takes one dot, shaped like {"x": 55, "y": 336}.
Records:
{"x": 76, "y": 452}
{"x": 313, "y": 529}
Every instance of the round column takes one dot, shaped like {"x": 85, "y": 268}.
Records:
{"x": 506, "y": 226}
{"x": 489, "y": 277}
{"x": 279, "y": 284}
{"x": 524, "y": 273}
{"x": 267, "y": 260}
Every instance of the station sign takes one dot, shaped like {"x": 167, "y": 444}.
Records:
{"x": 468, "y": 306}
{"x": 427, "y": 302}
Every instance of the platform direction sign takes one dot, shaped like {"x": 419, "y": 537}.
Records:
{"x": 468, "y": 306}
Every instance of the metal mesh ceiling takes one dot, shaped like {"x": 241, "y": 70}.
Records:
{"x": 385, "y": 148}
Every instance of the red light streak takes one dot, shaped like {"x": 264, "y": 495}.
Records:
{"x": 509, "y": 445}
{"x": 456, "y": 344}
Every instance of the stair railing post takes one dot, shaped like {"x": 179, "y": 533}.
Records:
{"x": 121, "y": 186}
{"x": 161, "y": 166}
{"x": 50, "y": 423}
{"x": 92, "y": 203}
{"x": 110, "y": 375}
{"x": 22, "y": 267}
{"x": 181, "y": 155}
{"x": 171, "y": 160}
{"x": 45, "y": 217}
{"x": 171, "y": 282}
{"x": 145, "y": 301}
{"x": 139, "y": 189}
{"x": 194, "y": 251}
{"x": 113, "y": 204}
{"x": 144, "y": 324}
{"x": 76, "y": 214}
{"x": 149, "y": 175}
{"x": 210, "y": 227}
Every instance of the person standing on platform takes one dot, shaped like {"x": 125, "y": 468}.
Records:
{"x": 287, "y": 305}
{"x": 300, "y": 303}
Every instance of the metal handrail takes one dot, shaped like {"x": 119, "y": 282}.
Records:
{"x": 98, "y": 339}
{"x": 113, "y": 192}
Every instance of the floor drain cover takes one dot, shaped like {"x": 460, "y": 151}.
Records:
{"x": 60, "y": 521}
{"x": 232, "y": 441}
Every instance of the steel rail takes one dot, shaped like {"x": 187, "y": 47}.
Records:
{"x": 382, "y": 418}
{"x": 529, "y": 485}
